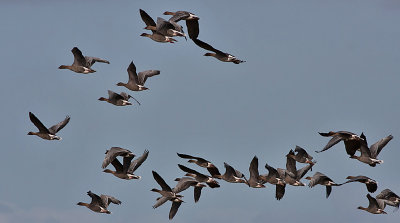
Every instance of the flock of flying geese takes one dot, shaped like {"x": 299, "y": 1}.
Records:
{"x": 163, "y": 31}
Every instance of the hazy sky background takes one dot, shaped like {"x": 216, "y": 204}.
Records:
{"x": 312, "y": 66}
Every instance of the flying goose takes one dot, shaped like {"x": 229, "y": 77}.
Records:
{"x": 168, "y": 194}
{"x": 291, "y": 175}
{"x": 136, "y": 81}
{"x": 212, "y": 169}
{"x": 82, "y": 64}
{"x": 156, "y": 36}
{"x": 192, "y": 21}
{"x": 113, "y": 152}
{"x": 225, "y": 57}
{"x": 302, "y": 156}
{"x": 232, "y": 175}
{"x": 254, "y": 180}
{"x": 118, "y": 99}
{"x": 211, "y": 182}
{"x": 320, "y": 178}
{"x": 369, "y": 155}
{"x": 374, "y": 206}
{"x": 369, "y": 183}
{"x": 274, "y": 178}
{"x": 99, "y": 203}
{"x": 166, "y": 28}
{"x": 45, "y": 133}
{"x": 389, "y": 197}
{"x": 183, "y": 184}
{"x": 352, "y": 141}
{"x": 126, "y": 170}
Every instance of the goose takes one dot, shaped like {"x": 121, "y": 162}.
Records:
{"x": 192, "y": 21}
{"x": 232, "y": 175}
{"x": 82, "y": 64}
{"x": 118, "y": 99}
{"x": 183, "y": 184}
{"x": 369, "y": 183}
{"x": 374, "y": 206}
{"x": 166, "y": 28}
{"x": 136, "y": 81}
{"x": 212, "y": 169}
{"x": 225, "y": 57}
{"x": 352, "y": 141}
{"x": 167, "y": 193}
{"x": 211, "y": 182}
{"x": 320, "y": 178}
{"x": 254, "y": 180}
{"x": 45, "y": 133}
{"x": 126, "y": 170}
{"x": 369, "y": 155}
{"x": 274, "y": 178}
{"x": 291, "y": 175}
{"x": 156, "y": 36}
{"x": 389, "y": 197}
{"x": 99, "y": 203}
{"x": 302, "y": 156}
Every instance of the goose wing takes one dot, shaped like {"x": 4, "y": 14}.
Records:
{"x": 377, "y": 147}
{"x": 133, "y": 77}
{"x": 106, "y": 199}
{"x": 38, "y": 123}
{"x": 279, "y": 191}
{"x": 146, "y": 74}
{"x": 147, "y": 19}
{"x": 91, "y": 60}
{"x": 112, "y": 153}
{"x": 184, "y": 183}
{"x": 207, "y": 46}
{"x": 79, "y": 59}
{"x": 193, "y": 28}
{"x": 300, "y": 173}
{"x": 55, "y": 128}
{"x": 161, "y": 182}
{"x": 253, "y": 169}
{"x": 96, "y": 200}
{"x": 115, "y": 96}
{"x": 335, "y": 140}
{"x": 137, "y": 162}
{"x": 174, "y": 208}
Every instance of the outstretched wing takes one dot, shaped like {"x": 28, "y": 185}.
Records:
{"x": 38, "y": 123}
{"x": 79, "y": 59}
{"x": 161, "y": 181}
{"x": 146, "y": 18}
{"x": 183, "y": 184}
{"x": 114, "y": 96}
{"x": 335, "y": 140}
{"x": 132, "y": 74}
{"x": 55, "y": 128}
{"x": 300, "y": 173}
{"x": 137, "y": 162}
{"x": 253, "y": 168}
{"x": 91, "y": 60}
{"x": 174, "y": 208}
{"x": 193, "y": 28}
{"x": 112, "y": 153}
{"x": 378, "y": 146}
{"x": 207, "y": 46}
{"x": 146, "y": 74}
{"x": 109, "y": 199}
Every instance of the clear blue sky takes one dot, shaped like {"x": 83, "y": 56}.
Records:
{"x": 312, "y": 66}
